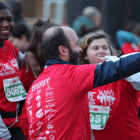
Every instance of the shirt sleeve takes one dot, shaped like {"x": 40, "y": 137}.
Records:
{"x": 21, "y": 60}
{"x": 133, "y": 79}
{"x": 81, "y": 78}
{"x": 4, "y": 132}
{"x": 111, "y": 71}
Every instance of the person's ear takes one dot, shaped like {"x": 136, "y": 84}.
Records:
{"x": 64, "y": 51}
{"x": 24, "y": 38}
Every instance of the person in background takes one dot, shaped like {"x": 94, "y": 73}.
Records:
{"x": 20, "y": 37}
{"x": 131, "y": 47}
{"x": 90, "y": 17}
{"x": 130, "y": 43}
{"x": 130, "y": 36}
{"x": 17, "y": 10}
{"x": 113, "y": 107}
{"x": 57, "y": 101}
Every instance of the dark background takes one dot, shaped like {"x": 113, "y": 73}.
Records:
{"x": 115, "y": 13}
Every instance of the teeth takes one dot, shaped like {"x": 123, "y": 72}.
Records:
{"x": 5, "y": 31}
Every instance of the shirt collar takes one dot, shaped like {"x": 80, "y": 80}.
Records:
{"x": 57, "y": 61}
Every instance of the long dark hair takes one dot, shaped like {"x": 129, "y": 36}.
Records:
{"x": 35, "y": 44}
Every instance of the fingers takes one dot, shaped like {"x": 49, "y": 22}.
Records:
{"x": 36, "y": 71}
{"x": 27, "y": 68}
{"x": 98, "y": 59}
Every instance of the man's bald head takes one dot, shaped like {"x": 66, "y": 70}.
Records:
{"x": 52, "y": 39}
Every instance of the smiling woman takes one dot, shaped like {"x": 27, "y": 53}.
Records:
{"x": 6, "y": 24}
{"x": 113, "y": 107}
{"x": 9, "y": 106}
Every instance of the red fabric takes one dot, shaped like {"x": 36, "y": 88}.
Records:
{"x": 8, "y": 69}
{"x": 27, "y": 80}
{"x": 139, "y": 99}
{"x": 123, "y": 122}
{"x": 126, "y": 48}
{"x": 57, "y": 103}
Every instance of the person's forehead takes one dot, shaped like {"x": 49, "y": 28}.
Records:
{"x": 100, "y": 41}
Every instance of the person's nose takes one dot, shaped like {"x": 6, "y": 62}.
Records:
{"x": 5, "y": 24}
{"x": 100, "y": 50}
{"x": 80, "y": 49}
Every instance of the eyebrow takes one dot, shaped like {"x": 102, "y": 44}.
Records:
{"x": 6, "y": 17}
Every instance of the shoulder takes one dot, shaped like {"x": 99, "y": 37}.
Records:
{"x": 8, "y": 43}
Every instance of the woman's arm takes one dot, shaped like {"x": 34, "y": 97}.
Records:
{"x": 123, "y": 37}
{"x": 4, "y": 132}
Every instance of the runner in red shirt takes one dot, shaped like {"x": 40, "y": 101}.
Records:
{"x": 57, "y": 102}
{"x": 27, "y": 78}
{"x": 11, "y": 89}
{"x": 113, "y": 107}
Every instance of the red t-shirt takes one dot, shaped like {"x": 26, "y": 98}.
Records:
{"x": 127, "y": 48}
{"x": 8, "y": 69}
{"x": 123, "y": 122}
{"x": 57, "y": 103}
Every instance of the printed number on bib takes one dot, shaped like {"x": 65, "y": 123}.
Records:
{"x": 98, "y": 116}
{"x": 14, "y": 90}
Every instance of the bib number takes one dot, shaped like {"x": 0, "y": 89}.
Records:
{"x": 14, "y": 91}
{"x": 98, "y": 116}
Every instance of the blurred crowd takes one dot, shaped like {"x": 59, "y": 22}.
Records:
{"x": 113, "y": 105}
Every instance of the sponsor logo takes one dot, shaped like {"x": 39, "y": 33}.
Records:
{"x": 49, "y": 94}
{"x": 50, "y": 105}
{"x": 50, "y": 116}
{"x": 39, "y": 123}
{"x": 38, "y": 98}
{"x": 51, "y": 137}
{"x": 106, "y": 97}
{"x": 90, "y": 97}
{"x": 50, "y": 126}
{"x": 39, "y": 104}
{"x": 49, "y": 132}
{"x": 39, "y": 113}
{"x": 38, "y": 92}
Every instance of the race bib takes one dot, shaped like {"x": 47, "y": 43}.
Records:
{"x": 98, "y": 116}
{"x": 14, "y": 90}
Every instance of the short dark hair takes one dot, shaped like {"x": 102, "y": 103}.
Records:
{"x": 21, "y": 29}
{"x": 51, "y": 43}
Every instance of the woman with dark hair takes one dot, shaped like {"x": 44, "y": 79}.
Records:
{"x": 113, "y": 107}
{"x": 11, "y": 89}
